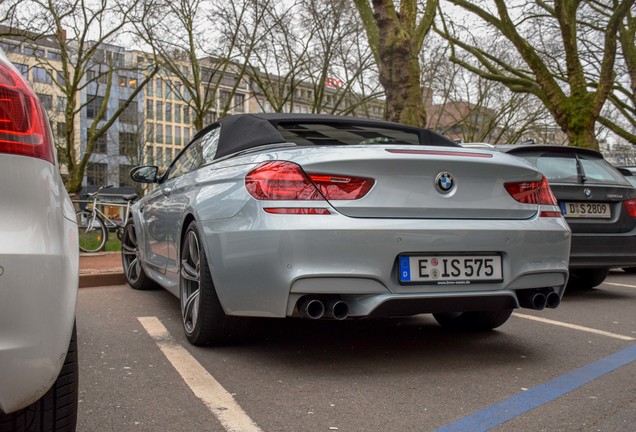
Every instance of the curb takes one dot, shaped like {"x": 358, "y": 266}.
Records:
{"x": 91, "y": 280}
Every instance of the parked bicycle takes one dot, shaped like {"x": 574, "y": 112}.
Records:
{"x": 93, "y": 224}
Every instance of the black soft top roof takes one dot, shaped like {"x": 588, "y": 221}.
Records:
{"x": 244, "y": 131}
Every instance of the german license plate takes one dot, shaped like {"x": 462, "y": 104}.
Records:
{"x": 586, "y": 210}
{"x": 450, "y": 269}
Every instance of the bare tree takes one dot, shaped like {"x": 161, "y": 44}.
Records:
{"x": 396, "y": 38}
{"x": 85, "y": 66}
{"x": 196, "y": 43}
{"x": 546, "y": 37}
{"x": 465, "y": 106}
{"x": 310, "y": 58}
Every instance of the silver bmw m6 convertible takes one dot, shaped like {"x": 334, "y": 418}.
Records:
{"x": 328, "y": 217}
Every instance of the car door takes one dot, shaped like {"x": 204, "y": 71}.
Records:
{"x": 184, "y": 188}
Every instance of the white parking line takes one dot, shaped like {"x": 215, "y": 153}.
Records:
{"x": 574, "y": 327}
{"x": 620, "y": 285}
{"x": 204, "y": 386}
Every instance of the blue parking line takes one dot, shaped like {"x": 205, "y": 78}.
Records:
{"x": 521, "y": 403}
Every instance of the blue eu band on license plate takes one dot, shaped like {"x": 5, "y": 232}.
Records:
{"x": 450, "y": 269}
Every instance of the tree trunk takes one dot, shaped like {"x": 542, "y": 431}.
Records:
{"x": 400, "y": 77}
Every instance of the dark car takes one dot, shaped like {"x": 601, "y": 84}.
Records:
{"x": 598, "y": 203}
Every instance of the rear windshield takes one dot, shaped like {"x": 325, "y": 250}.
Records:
{"x": 307, "y": 134}
{"x": 562, "y": 168}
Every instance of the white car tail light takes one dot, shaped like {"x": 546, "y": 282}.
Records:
{"x": 23, "y": 126}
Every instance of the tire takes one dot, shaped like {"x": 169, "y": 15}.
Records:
{"x": 93, "y": 234}
{"x": 133, "y": 271}
{"x": 204, "y": 320}
{"x": 473, "y": 321}
{"x": 587, "y": 278}
{"x": 56, "y": 411}
{"x": 629, "y": 269}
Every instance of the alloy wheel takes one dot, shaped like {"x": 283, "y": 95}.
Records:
{"x": 132, "y": 265}
{"x": 190, "y": 281}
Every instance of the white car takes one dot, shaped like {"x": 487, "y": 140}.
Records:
{"x": 39, "y": 266}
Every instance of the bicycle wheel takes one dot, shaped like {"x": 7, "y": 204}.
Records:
{"x": 92, "y": 231}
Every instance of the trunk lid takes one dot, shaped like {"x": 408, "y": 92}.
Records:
{"x": 410, "y": 181}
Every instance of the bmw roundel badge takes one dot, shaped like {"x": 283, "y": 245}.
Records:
{"x": 444, "y": 182}
{"x": 587, "y": 192}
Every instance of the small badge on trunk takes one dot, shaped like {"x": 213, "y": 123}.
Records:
{"x": 444, "y": 182}
{"x": 587, "y": 192}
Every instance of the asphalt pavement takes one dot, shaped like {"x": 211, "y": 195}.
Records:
{"x": 568, "y": 369}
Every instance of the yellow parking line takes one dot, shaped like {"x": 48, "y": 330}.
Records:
{"x": 620, "y": 285}
{"x": 204, "y": 386}
{"x": 574, "y": 327}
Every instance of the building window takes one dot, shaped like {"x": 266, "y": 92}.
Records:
{"x": 150, "y": 132}
{"x": 159, "y": 134}
{"x": 169, "y": 92}
{"x": 159, "y": 92}
{"x": 129, "y": 114}
{"x": 61, "y": 130}
{"x": 224, "y": 99}
{"x": 177, "y": 113}
{"x": 90, "y": 75}
{"x": 168, "y": 156}
{"x": 93, "y": 106}
{"x": 54, "y": 55}
{"x": 132, "y": 83}
{"x": 149, "y": 87}
{"x": 168, "y": 134}
{"x": 159, "y": 110}
{"x": 149, "y": 159}
{"x": 168, "y": 111}
{"x": 159, "y": 157}
{"x": 96, "y": 174}
{"x": 186, "y": 114}
{"x": 34, "y": 52}
{"x": 177, "y": 135}
{"x": 209, "y": 118}
{"x": 239, "y": 102}
{"x": 46, "y": 100}
{"x": 124, "y": 176}
{"x": 24, "y": 69}
{"x": 101, "y": 145}
{"x": 61, "y": 103}
{"x": 127, "y": 144}
{"x": 9, "y": 47}
{"x": 149, "y": 109}
{"x": 186, "y": 135}
{"x": 60, "y": 78}
{"x": 122, "y": 81}
{"x": 40, "y": 75}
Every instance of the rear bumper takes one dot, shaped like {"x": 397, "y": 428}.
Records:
{"x": 38, "y": 280}
{"x": 603, "y": 250}
{"x": 266, "y": 269}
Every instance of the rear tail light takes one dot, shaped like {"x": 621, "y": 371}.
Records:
{"x": 534, "y": 192}
{"x": 23, "y": 125}
{"x": 335, "y": 187}
{"x": 630, "y": 205}
{"x": 281, "y": 181}
{"x": 287, "y": 181}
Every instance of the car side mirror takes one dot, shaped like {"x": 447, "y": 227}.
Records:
{"x": 145, "y": 174}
